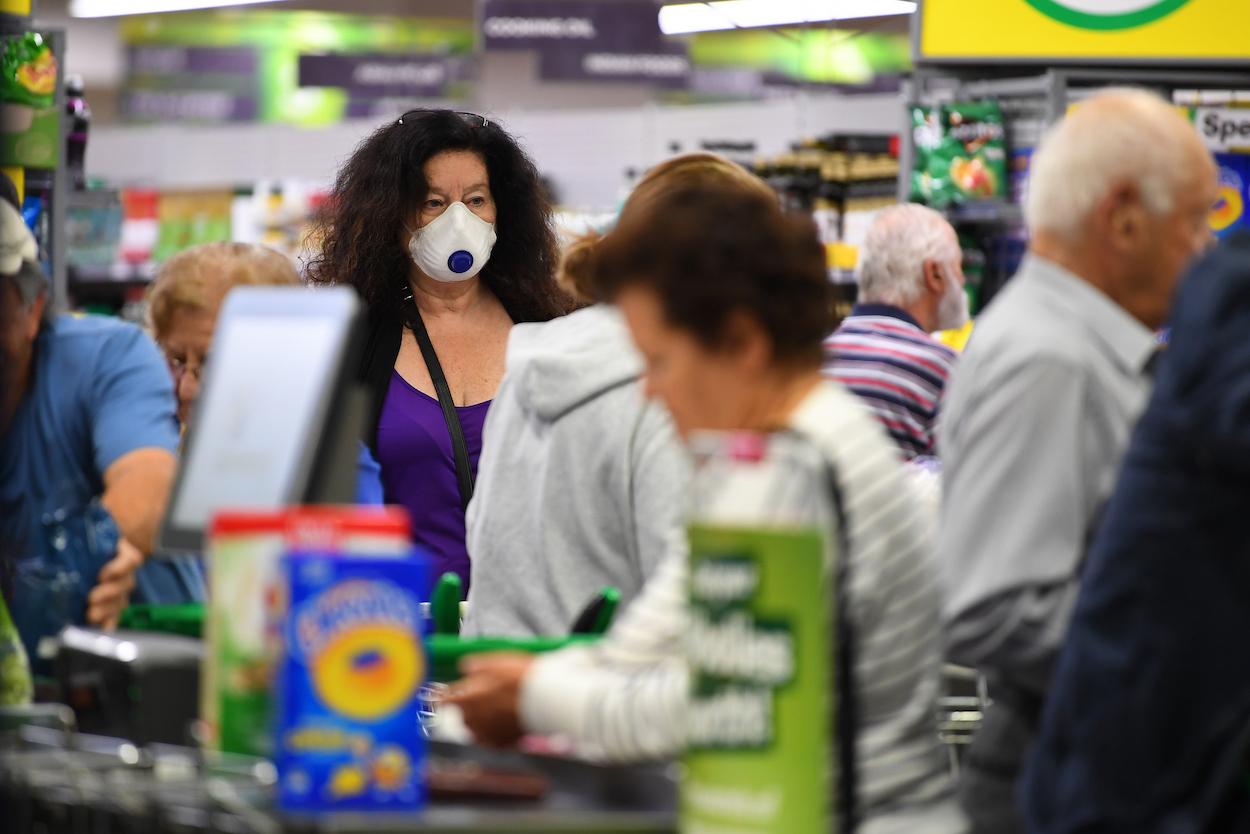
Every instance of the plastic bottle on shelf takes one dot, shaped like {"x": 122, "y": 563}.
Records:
{"x": 79, "y": 114}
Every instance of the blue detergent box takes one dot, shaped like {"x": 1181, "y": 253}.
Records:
{"x": 348, "y": 734}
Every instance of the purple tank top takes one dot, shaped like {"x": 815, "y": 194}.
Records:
{"x": 419, "y": 469}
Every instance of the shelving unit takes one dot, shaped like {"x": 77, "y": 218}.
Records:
{"x": 1031, "y": 100}
{"x": 53, "y": 184}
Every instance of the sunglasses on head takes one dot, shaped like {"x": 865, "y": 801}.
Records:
{"x": 471, "y": 119}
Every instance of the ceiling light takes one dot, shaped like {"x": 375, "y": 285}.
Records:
{"x": 116, "y": 8}
{"x": 743, "y": 14}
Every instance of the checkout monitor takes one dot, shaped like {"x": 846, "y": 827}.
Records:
{"x": 272, "y": 412}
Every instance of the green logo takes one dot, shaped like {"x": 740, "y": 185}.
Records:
{"x": 1106, "y": 15}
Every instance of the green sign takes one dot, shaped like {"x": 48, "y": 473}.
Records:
{"x": 822, "y": 56}
{"x": 760, "y": 712}
{"x": 1104, "y": 15}
{"x": 280, "y": 38}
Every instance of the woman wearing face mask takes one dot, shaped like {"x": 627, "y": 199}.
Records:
{"x": 439, "y": 221}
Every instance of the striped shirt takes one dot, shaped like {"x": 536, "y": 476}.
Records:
{"x": 884, "y": 356}
{"x": 625, "y": 698}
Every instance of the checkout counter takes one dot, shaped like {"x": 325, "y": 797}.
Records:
{"x": 114, "y": 751}
{"x": 57, "y": 780}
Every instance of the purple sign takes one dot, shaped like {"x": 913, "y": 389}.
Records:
{"x": 176, "y": 60}
{"x": 377, "y": 76}
{"x": 663, "y": 67}
{"x": 189, "y": 106}
{"x": 589, "y": 40}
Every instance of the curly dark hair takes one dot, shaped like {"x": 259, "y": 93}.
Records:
{"x": 710, "y": 251}
{"x": 383, "y": 185}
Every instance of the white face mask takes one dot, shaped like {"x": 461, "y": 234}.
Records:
{"x": 453, "y": 246}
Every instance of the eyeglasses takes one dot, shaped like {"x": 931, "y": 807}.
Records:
{"x": 471, "y": 119}
{"x": 178, "y": 366}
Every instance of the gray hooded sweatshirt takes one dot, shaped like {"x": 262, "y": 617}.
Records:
{"x": 581, "y": 483}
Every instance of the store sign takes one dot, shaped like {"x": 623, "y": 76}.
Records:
{"x": 1224, "y": 128}
{"x": 588, "y": 40}
{"x": 374, "y": 76}
{"x": 199, "y": 60}
{"x": 1182, "y": 31}
{"x": 666, "y": 69}
{"x": 171, "y": 82}
{"x": 188, "y": 106}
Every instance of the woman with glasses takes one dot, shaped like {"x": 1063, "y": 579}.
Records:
{"x": 439, "y": 220}
{"x": 185, "y": 297}
{"x": 183, "y": 303}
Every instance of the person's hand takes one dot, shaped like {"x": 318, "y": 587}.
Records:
{"x": 489, "y": 696}
{"x": 111, "y": 594}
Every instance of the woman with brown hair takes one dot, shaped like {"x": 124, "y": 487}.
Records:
{"x": 440, "y": 222}
{"x": 728, "y": 301}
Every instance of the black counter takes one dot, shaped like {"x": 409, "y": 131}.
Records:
{"x": 51, "y": 781}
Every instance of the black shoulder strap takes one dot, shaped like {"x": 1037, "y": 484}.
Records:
{"x": 464, "y": 471}
{"x": 846, "y": 717}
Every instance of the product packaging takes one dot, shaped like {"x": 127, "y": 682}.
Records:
{"x": 247, "y": 606}
{"x": 961, "y": 153}
{"x": 348, "y": 735}
{"x": 760, "y": 743}
{"x": 1229, "y": 213}
{"x": 29, "y": 124}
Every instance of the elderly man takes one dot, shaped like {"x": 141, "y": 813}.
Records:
{"x": 1040, "y": 408}
{"x": 911, "y": 283}
{"x": 87, "y": 421}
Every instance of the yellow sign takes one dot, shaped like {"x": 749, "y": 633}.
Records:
{"x": 1191, "y": 31}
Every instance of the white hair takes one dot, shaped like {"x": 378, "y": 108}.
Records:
{"x": 1118, "y": 136}
{"x": 899, "y": 242}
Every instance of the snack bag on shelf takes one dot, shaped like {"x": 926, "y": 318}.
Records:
{"x": 976, "y": 139}
{"x": 961, "y": 154}
{"x": 926, "y": 128}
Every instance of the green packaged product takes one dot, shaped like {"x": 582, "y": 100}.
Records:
{"x": 961, "y": 154}
{"x": 760, "y": 720}
{"x": 16, "y": 687}
{"x": 28, "y": 71}
{"x": 926, "y": 131}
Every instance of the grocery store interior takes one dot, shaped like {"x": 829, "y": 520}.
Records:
{"x": 769, "y": 416}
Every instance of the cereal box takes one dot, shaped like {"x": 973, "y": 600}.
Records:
{"x": 245, "y": 606}
{"x": 348, "y": 733}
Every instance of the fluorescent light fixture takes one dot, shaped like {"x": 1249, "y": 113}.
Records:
{"x": 744, "y": 14}
{"x": 117, "y": 8}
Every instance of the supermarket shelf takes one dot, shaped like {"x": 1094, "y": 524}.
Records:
{"x": 40, "y": 179}
{"x": 118, "y": 276}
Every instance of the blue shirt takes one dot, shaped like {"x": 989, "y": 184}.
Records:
{"x": 98, "y": 391}
{"x": 368, "y": 479}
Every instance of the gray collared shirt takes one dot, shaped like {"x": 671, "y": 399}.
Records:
{"x": 1037, "y": 418}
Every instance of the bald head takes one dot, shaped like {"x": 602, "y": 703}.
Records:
{"x": 1117, "y": 139}
{"x": 1119, "y": 194}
